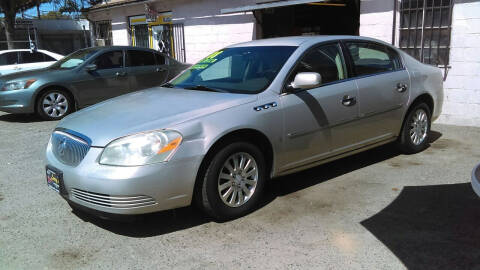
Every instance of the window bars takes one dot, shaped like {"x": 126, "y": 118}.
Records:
{"x": 425, "y": 30}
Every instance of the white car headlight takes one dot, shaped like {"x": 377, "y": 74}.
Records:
{"x": 141, "y": 149}
{"x": 9, "y": 86}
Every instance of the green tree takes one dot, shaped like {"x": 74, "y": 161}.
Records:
{"x": 10, "y": 8}
{"x": 73, "y": 6}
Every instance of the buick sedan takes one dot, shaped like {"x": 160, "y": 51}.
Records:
{"x": 249, "y": 112}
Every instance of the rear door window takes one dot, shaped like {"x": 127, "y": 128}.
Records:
{"x": 138, "y": 58}
{"x": 48, "y": 57}
{"x": 372, "y": 58}
{"x": 10, "y": 58}
{"x": 160, "y": 59}
{"x": 31, "y": 57}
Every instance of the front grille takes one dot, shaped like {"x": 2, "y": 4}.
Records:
{"x": 69, "y": 149}
{"x": 113, "y": 201}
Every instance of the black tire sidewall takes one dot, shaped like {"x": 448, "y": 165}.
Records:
{"x": 406, "y": 142}
{"x": 210, "y": 186}
{"x": 39, "y": 108}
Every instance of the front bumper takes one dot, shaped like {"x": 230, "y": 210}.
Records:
{"x": 129, "y": 190}
{"x": 17, "y": 101}
{"x": 476, "y": 179}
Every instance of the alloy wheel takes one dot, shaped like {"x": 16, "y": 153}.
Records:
{"x": 55, "y": 105}
{"x": 238, "y": 179}
{"x": 418, "y": 127}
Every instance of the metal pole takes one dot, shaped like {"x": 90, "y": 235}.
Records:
{"x": 37, "y": 41}
{"x": 85, "y": 36}
{"x": 394, "y": 30}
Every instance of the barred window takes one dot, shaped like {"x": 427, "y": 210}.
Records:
{"x": 425, "y": 29}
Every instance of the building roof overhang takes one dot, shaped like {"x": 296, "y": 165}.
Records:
{"x": 111, "y": 4}
{"x": 275, "y": 4}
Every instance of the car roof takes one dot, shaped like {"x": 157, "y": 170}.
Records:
{"x": 299, "y": 40}
{"x": 21, "y": 50}
{"x": 122, "y": 48}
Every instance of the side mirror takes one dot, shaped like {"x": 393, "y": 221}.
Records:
{"x": 305, "y": 80}
{"x": 90, "y": 67}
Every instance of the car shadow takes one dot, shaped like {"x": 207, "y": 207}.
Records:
{"x": 431, "y": 227}
{"x": 178, "y": 219}
{"x": 20, "y": 118}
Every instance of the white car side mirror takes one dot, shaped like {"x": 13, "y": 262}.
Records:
{"x": 304, "y": 80}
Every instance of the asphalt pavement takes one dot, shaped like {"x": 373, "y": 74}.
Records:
{"x": 376, "y": 210}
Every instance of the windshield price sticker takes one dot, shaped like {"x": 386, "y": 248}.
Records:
{"x": 207, "y": 61}
{"x": 199, "y": 66}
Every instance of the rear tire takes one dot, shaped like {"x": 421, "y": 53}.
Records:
{"x": 54, "y": 104}
{"x": 414, "y": 136}
{"x": 233, "y": 182}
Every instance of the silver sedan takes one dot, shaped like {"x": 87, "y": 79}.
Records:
{"x": 249, "y": 112}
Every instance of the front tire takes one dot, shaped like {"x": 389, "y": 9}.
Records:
{"x": 415, "y": 132}
{"x": 54, "y": 105}
{"x": 233, "y": 181}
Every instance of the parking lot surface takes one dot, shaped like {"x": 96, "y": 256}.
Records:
{"x": 374, "y": 210}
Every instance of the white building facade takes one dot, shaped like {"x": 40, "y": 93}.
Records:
{"x": 445, "y": 33}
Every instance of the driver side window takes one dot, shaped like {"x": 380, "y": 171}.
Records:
{"x": 326, "y": 60}
{"x": 109, "y": 60}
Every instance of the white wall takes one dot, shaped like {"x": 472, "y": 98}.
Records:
{"x": 206, "y": 30}
{"x": 462, "y": 87}
{"x": 376, "y": 19}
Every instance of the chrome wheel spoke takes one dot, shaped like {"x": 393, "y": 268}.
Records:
{"x": 234, "y": 196}
{"x": 250, "y": 182}
{"x": 225, "y": 185}
{"x": 225, "y": 176}
{"x": 242, "y": 163}
{"x": 240, "y": 197}
{"x": 245, "y": 190}
{"x": 236, "y": 164}
{"x": 251, "y": 172}
{"x": 247, "y": 165}
{"x": 229, "y": 167}
{"x": 227, "y": 194}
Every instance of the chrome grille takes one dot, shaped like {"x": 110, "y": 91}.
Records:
{"x": 69, "y": 149}
{"x": 113, "y": 201}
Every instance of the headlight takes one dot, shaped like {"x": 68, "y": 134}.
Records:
{"x": 9, "y": 86}
{"x": 141, "y": 149}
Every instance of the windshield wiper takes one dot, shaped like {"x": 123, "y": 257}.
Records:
{"x": 203, "y": 88}
{"x": 167, "y": 85}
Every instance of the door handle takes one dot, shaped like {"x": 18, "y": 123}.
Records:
{"x": 349, "y": 100}
{"x": 401, "y": 87}
{"x": 120, "y": 74}
{"x": 160, "y": 69}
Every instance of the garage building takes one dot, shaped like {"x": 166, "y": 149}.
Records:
{"x": 444, "y": 33}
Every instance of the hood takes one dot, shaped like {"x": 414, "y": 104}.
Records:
{"x": 150, "y": 109}
{"x": 28, "y": 74}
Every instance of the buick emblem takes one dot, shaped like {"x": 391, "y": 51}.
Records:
{"x": 62, "y": 147}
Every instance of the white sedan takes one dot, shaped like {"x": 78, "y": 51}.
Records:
{"x": 24, "y": 59}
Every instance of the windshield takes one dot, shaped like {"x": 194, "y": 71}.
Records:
{"x": 246, "y": 70}
{"x": 74, "y": 59}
